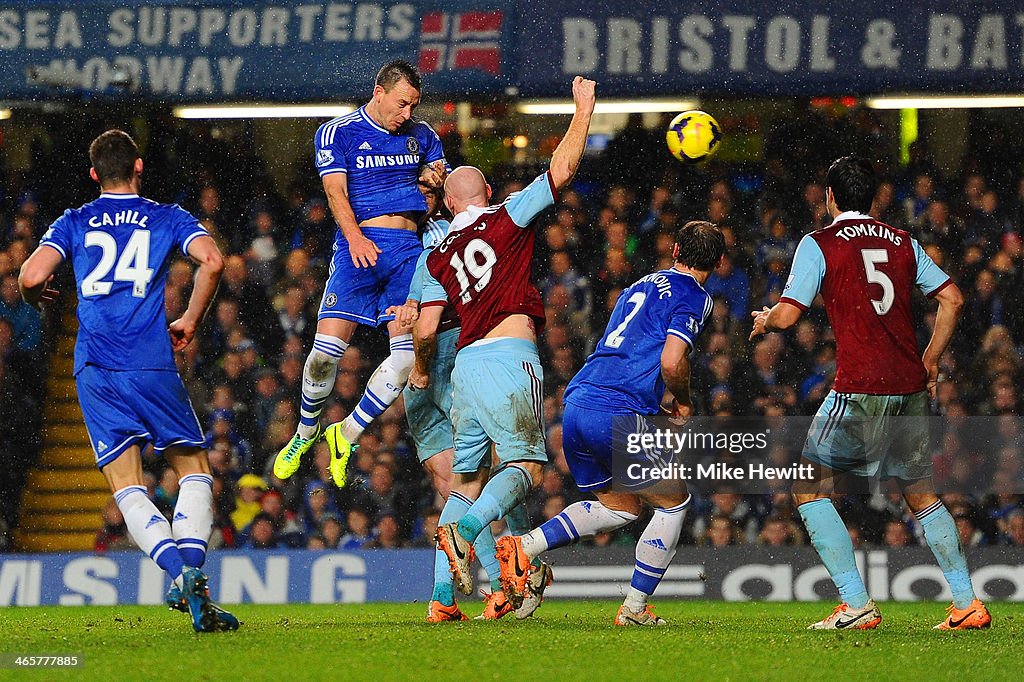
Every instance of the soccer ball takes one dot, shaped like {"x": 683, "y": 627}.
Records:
{"x": 693, "y": 136}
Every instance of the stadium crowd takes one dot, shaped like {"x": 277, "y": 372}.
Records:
{"x": 21, "y": 337}
{"x": 244, "y": 370}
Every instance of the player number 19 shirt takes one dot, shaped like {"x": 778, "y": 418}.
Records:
{"x": 483, "y": 265}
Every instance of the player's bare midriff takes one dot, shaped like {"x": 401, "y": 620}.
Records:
{"x": 407, "y": 220}
{"x": 515, "y": 326}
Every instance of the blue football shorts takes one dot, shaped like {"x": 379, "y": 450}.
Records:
{"x": 884, "y": 436}
{"x": 137, "y": 407}
{"x": 363, "y": 294}
{"x": 589, "y": 439}
{"x": 587, "y": 443}
{"x": 497, "y": 397}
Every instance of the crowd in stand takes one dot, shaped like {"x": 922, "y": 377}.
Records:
{"x": 244, "y": 370}
{"x": 21, "y": 336}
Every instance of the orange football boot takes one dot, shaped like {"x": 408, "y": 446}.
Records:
{"x": 460, "y": 555}
{"x": 845, "y": 617}
{"x": 627, "y": 617}
{"x": 515, "y": 568}
{"x": 974, "y": 617}
{"x": 495, "y": 606}
{"x": 439, "y": 613}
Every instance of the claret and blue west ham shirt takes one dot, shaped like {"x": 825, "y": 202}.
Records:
{"x": 866, "y": 271}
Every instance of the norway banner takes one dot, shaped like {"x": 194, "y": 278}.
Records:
{"x": 461, "y": 40}
{"x": 264, "y": 50}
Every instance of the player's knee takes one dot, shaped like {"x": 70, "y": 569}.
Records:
{"x": 532, "y": 472}
{"x": 920, "y": 501}
{"x": 802, "y": 497}
{"x": 628, "y": 506}
{"x": 320, "y": 365}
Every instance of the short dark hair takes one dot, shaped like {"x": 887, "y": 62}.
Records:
{"x": 853, "y": 183}
{"x": 701, "y": 245}
{"x": 397, "y": 70}
{"x": 113, "y": 155}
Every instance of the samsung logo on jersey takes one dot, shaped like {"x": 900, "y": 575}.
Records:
{"x": 662, "y": 282}
{"x": 868, "y": 230}
{"x": 382, "y": 160}
{"x": 119, "y": 218}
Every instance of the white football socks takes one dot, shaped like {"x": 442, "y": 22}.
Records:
{"x": 654, "y": 552}
{"x": 150, "y": 530}
{"x": 318, "y": 376}
{"x": 192, "y": 522}
{"x": 383, "y": 388}
{"x": 576, "y": 521}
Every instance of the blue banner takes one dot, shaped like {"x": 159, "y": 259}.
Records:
{"x": 266, "y": 577}
{"x": 736, "y": 47}
{"x": 221, "y": 50}
{"x": 260, "y": 50}
{"x": 737, "y": 573}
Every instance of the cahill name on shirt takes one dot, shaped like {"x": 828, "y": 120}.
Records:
{"x": 128, "y": 217}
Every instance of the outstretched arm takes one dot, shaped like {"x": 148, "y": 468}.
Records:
{"x": 566, "y": 159}
{"x": 779, "y": 317}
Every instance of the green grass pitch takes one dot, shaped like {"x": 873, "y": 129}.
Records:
{"x": 570, "y": 640}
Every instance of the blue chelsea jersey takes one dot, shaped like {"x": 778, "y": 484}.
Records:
{"x": 623, "y": 374}
{"x": 121, "y": 247}
{"x": 382, "y": 167}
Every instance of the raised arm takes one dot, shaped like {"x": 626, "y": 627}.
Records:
{"x": 204, "y": 252}
{"x": 362, "y": 250}
{"x": 566, "y": 159}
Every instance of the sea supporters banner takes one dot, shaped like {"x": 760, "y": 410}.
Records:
{"x": 257, "y": 50}
{"x": 301, "y": 577}
{"x": 839, "y": 450}
{"x": 732, "y": 47}
{"x": 269, "y": 50}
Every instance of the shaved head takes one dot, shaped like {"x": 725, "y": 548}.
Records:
{"x": 466, "y": 186}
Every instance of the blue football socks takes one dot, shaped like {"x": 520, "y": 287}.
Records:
{"x": 830, "y": 538}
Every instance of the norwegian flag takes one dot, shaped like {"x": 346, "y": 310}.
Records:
{"x": 463, "y": 40}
